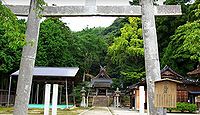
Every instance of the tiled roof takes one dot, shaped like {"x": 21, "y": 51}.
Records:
{"x": 195, "y": 72}
{"x": 167, "y": 72}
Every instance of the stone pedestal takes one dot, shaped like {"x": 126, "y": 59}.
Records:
{"x": 83, "y": 104}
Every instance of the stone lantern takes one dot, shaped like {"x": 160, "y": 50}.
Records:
{"x": 116, "y": 98}
{"x": 83, "y": 97}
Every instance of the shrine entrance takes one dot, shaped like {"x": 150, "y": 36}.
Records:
{"x": 146, "y": 10}
{"x": 101, "y": 83}
{"x": 102, "y": 91}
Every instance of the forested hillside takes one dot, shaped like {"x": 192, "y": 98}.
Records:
{"x": 119, "y": 47}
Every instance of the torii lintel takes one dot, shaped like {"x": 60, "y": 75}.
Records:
{"x": 74, "y": 11}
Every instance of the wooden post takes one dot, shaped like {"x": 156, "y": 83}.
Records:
{"x": 73, "y": 94}
{"x": 142, "y": 99}
{"x": 87, "y": 99}
{"x": 9, "y": 90}
{"x": 60, "y": 96}
{"x": 66, "y": 94}
{"x": 32, "y": 96}
{"x": 55, "y": 99}
{"x": 27, "y": 62}
{"x": 37, "y": 93}
{"x": 47, "y": 99}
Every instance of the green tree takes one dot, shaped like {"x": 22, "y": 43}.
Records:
{"x": 114, "y": 29}
{"x": 194, "y": 11}
{"x": 11, "y": 41}
{"x": 55, "y": 44}
{"x": 91, "y": 49}
{"x": 166, "y": 25}
{"x": 183, "y": 51}
{"x": 127, "y": 52}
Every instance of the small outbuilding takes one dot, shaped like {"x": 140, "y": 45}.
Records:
{"x": 64, "y": 76}
{"x": 187, "y": 91}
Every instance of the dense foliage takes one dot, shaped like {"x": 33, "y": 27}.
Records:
{"x": 119, "y": 47}
{"x": 55, "y": 44}
{"x": 60, "y": 47}
{"x": 184, "y": 42}
{"x": 183, "y": 50}
{"x": 11, "y": 41}
{"x": 91, "y": 49}
{"x": 127, "y": 52}
{"x": 184, "y": 107}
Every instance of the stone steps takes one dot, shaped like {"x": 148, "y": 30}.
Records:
{"x": 101, "y": 101}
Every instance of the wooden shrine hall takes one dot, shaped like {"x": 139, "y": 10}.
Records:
{"x": 63, "y": 76}
{"x": 195, "y": 95}
{"x": 102, "y": 82}
{"x": 186, "y": 91}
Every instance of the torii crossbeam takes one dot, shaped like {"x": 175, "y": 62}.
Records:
{"x": 73, "y": 11}
{"x": 147, "y": 11}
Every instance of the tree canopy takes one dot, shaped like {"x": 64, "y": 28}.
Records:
{"x": 55, "y": 44}
{"x": 91, "y": 49}
{"x": 127, "y": 52}
{"x": 183, "y": 51}
{"x": 11, "y": 40}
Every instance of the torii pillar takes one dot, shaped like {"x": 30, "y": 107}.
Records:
{"x": 27, "y": 62}
{"x": 152, "y": 63}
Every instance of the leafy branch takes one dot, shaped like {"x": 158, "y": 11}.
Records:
{"x": 40, "y": 8}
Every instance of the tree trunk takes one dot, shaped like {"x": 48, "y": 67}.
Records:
{"x": 27, "y": 62}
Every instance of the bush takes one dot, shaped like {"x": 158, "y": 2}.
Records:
{"x": 192, "y": 107}
{"x": 183, "y": 107}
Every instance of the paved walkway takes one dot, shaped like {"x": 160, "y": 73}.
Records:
{"x": 126, "y": 111}
{"x": 97, "y": 111}
{"x": 118, "y": 111}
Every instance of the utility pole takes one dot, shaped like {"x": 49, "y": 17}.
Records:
{"x": 27, "y": 62}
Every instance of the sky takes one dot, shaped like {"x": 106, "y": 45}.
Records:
{"x": 75, "y": 23}
{"x": 79, "y": 23}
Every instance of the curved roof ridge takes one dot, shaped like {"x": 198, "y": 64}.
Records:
{"x": 170, "y": 69}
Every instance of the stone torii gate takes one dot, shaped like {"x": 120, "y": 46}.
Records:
{"x": 147, "y": 10}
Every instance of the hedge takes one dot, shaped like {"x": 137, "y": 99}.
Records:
{"x": 184, "y": 107}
